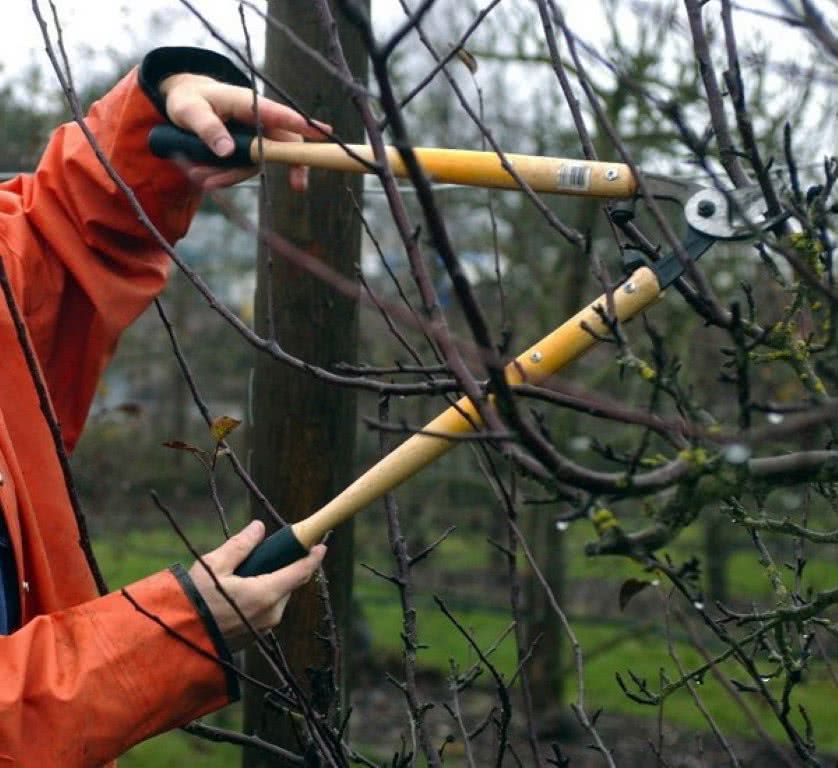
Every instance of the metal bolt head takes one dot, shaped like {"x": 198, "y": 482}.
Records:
{"x": 706, "y": 208}
{"x": 629, "y": 287}
{"x": 612, "y": 174}
{"x": 536, "y": 357}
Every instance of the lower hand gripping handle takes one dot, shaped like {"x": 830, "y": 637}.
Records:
{"x": 278, "y": 550}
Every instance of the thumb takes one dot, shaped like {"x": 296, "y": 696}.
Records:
{"x": 226, "y": 558}
{"x": 200, "y": 118}
{"x": 194, "y": 112}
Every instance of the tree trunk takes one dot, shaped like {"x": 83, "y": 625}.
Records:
{"x": 303, "y": 429}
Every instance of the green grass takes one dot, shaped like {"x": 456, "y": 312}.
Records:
{"x": 178, "y": 750}
{"x": 641, "y": 652}
{"x": 748, "y": 579}
{"x": 465, "y": 552}
{"x": 135, "y": 554}
{"x": 643, "y": 656}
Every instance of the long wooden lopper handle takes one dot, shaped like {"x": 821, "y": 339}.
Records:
{"x": 552, "y": 353}
{"x": 453, "y": 166}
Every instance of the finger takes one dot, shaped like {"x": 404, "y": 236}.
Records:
{"x": 274, "y": 616}
{"x": 298, "y": 178}
{"x": 279, "y": 118}
{"x": 199, "y": 174}
{"x": 226, "y": 558}
{"x": 297, "y": 174}
{"x": 226, "y": 178}
{"x": 238, "y": 103}
{"x": 277, "y": 133}
{"x": 197, "y": 114}
{"x": 293, "y": 576}
{"x": 208, "y": 178}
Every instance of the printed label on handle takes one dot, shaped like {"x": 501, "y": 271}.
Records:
{"x": 574, "y": 177}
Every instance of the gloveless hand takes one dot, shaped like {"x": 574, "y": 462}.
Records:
{"x": 202, "y": 105}
{"x": 261, "y": 599}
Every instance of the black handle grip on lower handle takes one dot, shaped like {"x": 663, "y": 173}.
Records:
{"x": 170, "y": 142}
{"x": 278, "y": 550}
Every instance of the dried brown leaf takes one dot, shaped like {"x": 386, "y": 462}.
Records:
{"x": 223, "y": 426}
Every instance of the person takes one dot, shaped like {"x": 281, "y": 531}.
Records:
{"x": 83, "y": 677}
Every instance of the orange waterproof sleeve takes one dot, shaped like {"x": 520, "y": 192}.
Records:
{"x": 80, "y": 259}
{"x": 85, "y": 678}
{"x": 83, "y": 685}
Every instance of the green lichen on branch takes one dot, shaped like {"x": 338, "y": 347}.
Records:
{"x": 711, "y": 481}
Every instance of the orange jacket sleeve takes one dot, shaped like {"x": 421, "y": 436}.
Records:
{"x": 83, "y": 685}
{"x": 85, "y": 677}
{"x": 82, "y": 263}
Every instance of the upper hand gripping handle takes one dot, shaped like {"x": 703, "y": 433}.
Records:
{"x": 554, "y": 175}
{"x": 170, "y": 142}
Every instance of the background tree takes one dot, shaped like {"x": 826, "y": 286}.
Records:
{"x": 303, "y": 432}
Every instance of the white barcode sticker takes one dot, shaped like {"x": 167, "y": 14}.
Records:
{"x": 574, "y": 177}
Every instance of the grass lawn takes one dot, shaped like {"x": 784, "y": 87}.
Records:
{"x": 641, "y": 652}
{"x": 134, "y": 554}
{"x": 178, "y": 750}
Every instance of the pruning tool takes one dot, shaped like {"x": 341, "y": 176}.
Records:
{"x": 708, "y": 215}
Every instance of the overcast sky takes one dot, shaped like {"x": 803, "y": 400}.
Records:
{"x": 98, "y": 25}
{"x": 93, "y": 27}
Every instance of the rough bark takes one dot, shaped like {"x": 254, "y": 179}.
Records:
{"x": 303, "y": 430}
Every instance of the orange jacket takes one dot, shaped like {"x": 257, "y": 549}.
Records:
{"x": 87, "y": 677}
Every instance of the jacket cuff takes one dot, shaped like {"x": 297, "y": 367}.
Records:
{"x": 203, "y": 611}
{"x": 162, "y": 62}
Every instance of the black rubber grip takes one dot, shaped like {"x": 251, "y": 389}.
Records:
{"x": 279, "y": 549}
{"x": 171, "y": 142}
